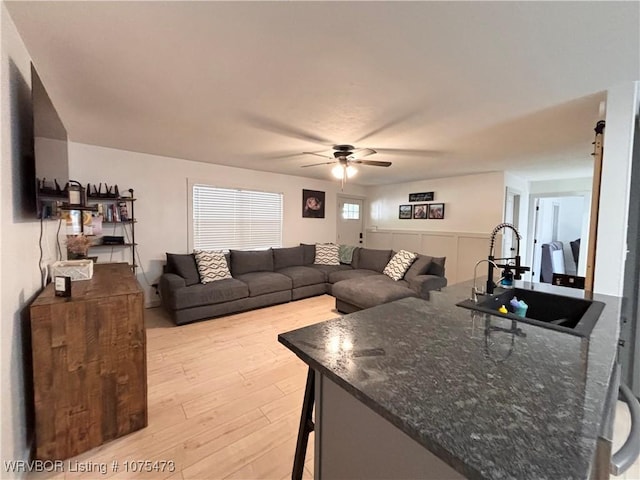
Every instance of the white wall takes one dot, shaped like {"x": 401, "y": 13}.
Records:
{"x": 19, "y": 273}
{"x": 564, "y": 185}
{"x": 473, "y": 207}
{"x": 622, "y": 107}
{"x": 521, "y": 186}
{"x": 473, "y": 203}
{"x": 160, "y": 185}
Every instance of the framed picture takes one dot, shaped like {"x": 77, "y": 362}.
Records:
{"x": 312, "y": 204}
{"x": 405, "y": 212}
{"x": 421, "y": 197}
{"x": 436, "y": 211}
{"x": 420, "y": 210}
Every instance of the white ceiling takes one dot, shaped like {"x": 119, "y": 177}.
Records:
{"x": 479, "y": 86}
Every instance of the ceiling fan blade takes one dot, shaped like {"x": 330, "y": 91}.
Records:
{"x": 316, "y": 164}
{"x": 363, "y": 152}
{"x": 408, "y": 151}
{"x": 372, "y": 163}
{"x": 391, "y": 123}
{"x": 284, "y": 129}
{"x": 316, "y": 154}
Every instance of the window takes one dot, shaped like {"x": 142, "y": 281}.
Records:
{"x": 351, "y": 211}
{"x": 235, "y": 219}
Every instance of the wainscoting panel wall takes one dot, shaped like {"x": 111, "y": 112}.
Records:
{"x": 462, "y": 249}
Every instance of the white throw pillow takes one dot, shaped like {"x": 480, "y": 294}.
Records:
{"x": 327, "y": 254}
{"x": 212, "y": 265}
{"x": 399, "y": 264}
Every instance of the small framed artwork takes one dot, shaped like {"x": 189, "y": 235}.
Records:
{"x": 312, "y": 204}
{"x": 436, "y": 211}
{"x": 421, "y": 197}
{"x": 405, "y": 212}
{"x": 420, "y": 210}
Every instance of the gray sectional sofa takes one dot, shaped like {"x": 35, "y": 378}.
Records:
{"x": 279, "y": 275}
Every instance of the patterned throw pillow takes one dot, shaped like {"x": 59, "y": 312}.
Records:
{"x": 327, "y": 254}
{"x": 212, "y": 265}
{"x": 399, "y": 264}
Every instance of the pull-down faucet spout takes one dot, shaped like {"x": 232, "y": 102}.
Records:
{"x": 518, "y": 269}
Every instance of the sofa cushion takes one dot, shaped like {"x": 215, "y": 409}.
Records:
{"x": 419, "y": 266}
{"x": 308, "y": 253}
{"x": 327, "y": 254}
{"x": 301, "y": 276}
{"x": 208, "y": 294}
{"x": 370, "y": 259}
{"x": 251, "y": 261}
{"x": 287, "y": 257}
{"x": 212, "y": 265}
{"x": 185, "y": 266}
{"x": 328, "y": 269}
{"x": 399, "y": 264}
{"x": 370, "y": 291}
{"x": 437, "y": 266}
{"x": 340, "y": 275}
{"x": 261, "y": 283}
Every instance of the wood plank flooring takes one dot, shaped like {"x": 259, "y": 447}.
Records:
{"x": 224, "y": 400}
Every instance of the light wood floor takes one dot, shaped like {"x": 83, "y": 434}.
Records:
{"x": 224, "y": 399}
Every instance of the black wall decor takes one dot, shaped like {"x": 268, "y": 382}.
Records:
{"x": 421, "y": 197}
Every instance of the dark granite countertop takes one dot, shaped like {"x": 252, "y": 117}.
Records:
{"x": 523, "y": 402}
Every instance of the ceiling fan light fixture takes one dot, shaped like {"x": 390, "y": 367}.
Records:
{"x": 339, "y": 171}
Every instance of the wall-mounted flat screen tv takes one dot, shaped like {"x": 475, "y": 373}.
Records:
{"x": 50, "y": 149}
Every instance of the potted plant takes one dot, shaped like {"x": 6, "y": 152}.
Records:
{"x": 77, "y": 246}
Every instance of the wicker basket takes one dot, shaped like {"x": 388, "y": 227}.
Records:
{"x": 76, "y": 269}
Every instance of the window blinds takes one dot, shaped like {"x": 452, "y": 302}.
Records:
{"x": 226, "y": 219}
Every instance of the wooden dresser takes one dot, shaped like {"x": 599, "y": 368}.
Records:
{"x": 89, "y": 363}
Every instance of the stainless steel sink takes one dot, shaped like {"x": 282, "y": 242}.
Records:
{"x": 557, "y": 312}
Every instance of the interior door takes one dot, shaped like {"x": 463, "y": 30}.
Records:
{"x": 350, "y": 221}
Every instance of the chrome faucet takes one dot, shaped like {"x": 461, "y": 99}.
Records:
{"x": 474, "y": 290}
{"x": 518, "y": 269}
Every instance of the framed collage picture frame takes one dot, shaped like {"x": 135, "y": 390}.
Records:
{"x": 436, "y": 211}
{"x": 420, "y": 211}
{"x": 405, "y": 212}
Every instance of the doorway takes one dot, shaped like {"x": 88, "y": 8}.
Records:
{"x": 349, "y": 230}
{"x": 512, "y": 216}
{"x": 560, "y": 236}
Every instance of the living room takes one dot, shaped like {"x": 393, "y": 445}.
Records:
{"x": 260, "y": 155}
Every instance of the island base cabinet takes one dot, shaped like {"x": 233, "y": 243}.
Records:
{"x": 352, "y": 441}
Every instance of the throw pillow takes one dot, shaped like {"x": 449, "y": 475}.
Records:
{"x": 327, "y": 254}
{"x": 212, "y": 265}
{"x": 399, "y": 264}
{"x": 185, "y": 266}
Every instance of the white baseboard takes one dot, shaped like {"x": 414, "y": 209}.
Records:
{"x": 152, "y": 303}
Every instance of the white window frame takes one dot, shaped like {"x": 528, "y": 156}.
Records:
{"x": 191, "y": 183}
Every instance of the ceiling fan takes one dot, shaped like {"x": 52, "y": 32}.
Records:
{"x": 344, "y": 158}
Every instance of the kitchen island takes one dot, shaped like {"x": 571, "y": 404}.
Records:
{"x": 427, "y": 389}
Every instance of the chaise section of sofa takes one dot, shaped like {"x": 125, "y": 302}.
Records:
{"x": 268, "y": 277}
{"x": 368, "y": 286}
